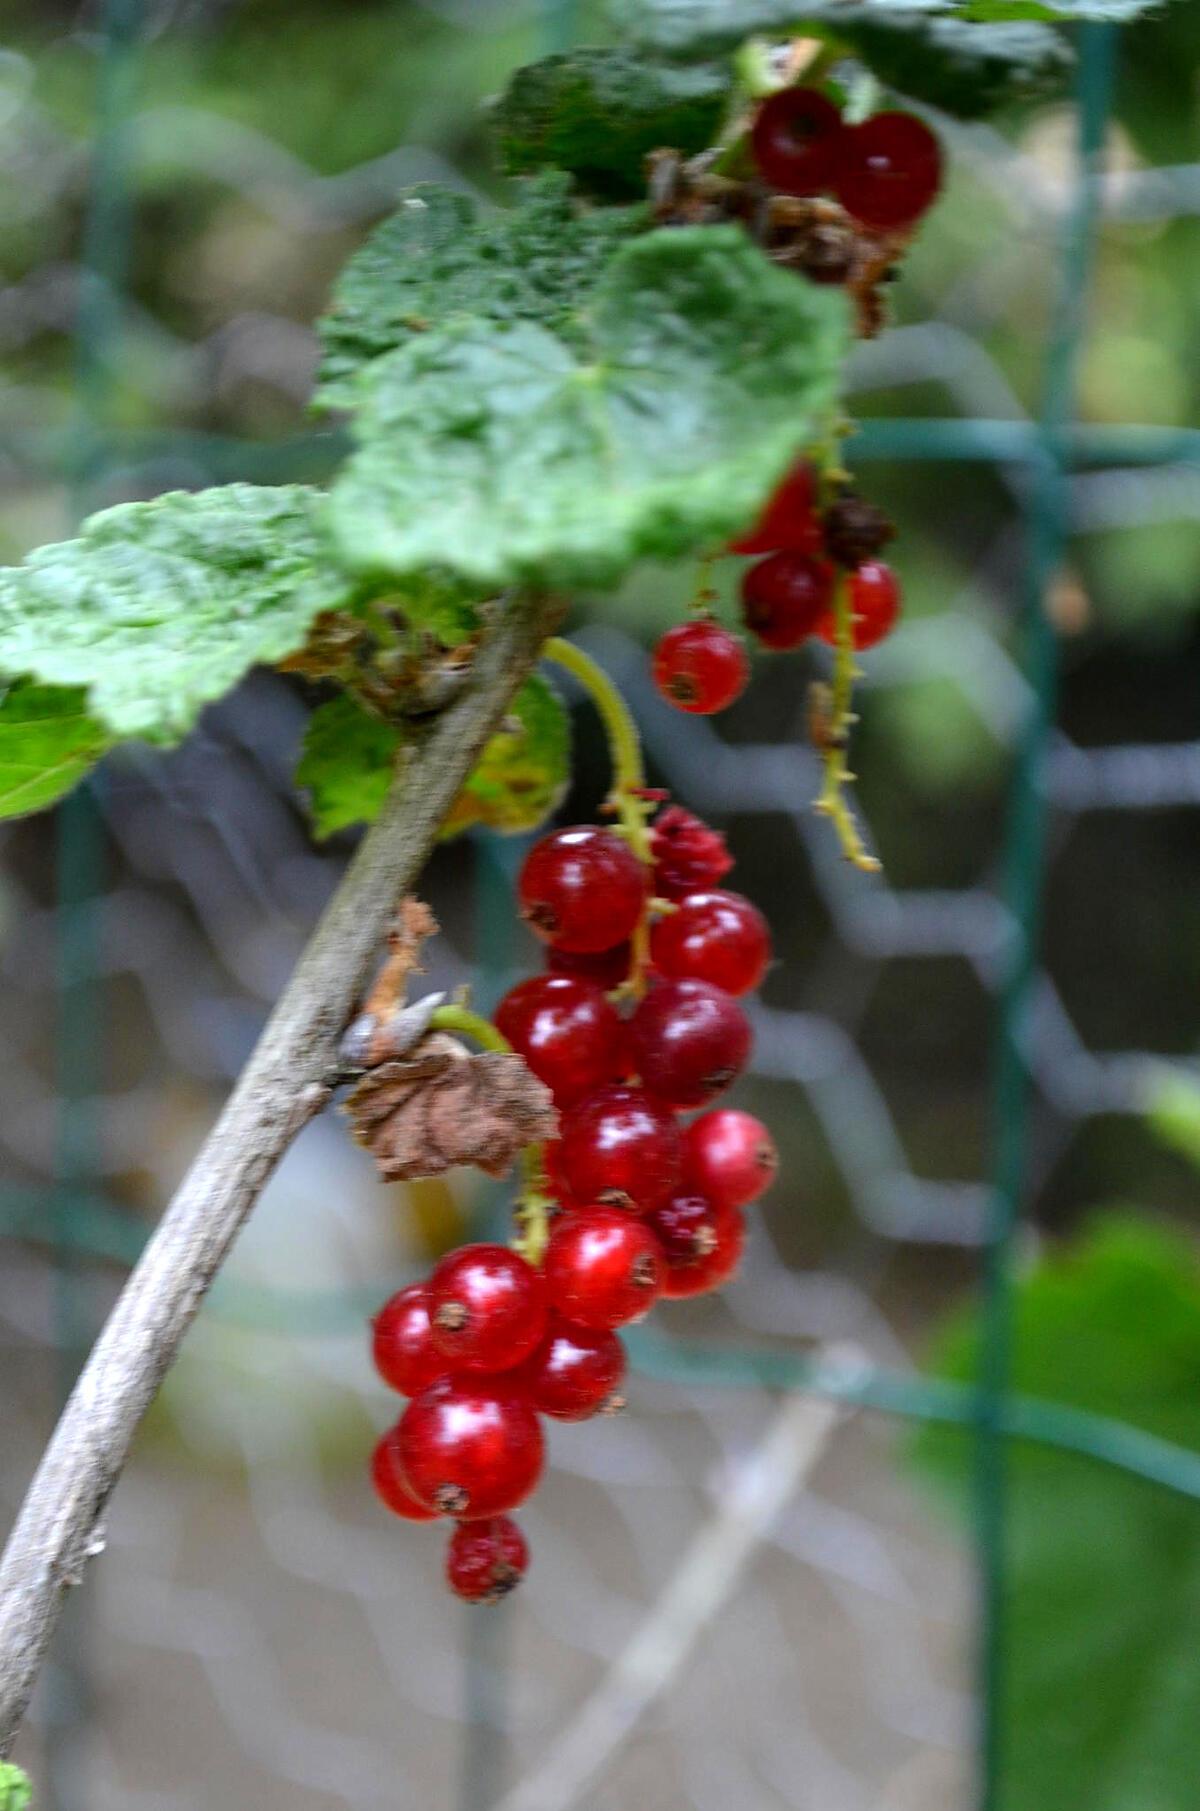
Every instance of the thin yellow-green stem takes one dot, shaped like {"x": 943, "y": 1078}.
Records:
{"x": 835, "y": 742}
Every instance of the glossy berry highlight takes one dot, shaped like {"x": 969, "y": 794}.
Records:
{"x": 470, "y": 1447}
{"x": 686, "y": 1229}
{"x": 402, "y": 1343}
{"x": 689, "y": 855}
{"x": 700, "y": 667}
{"x": 568, "y": 1033}
{"x": 621, "y": 1149}
{"x": 716, "y": 1266}
{"x": 889, "y": 170}
{"x": 575, "y": 1373}
{"x": 689, "y": 1041}
{"x": 729, "y": 1156}
{"x": 487, "y": 1308}
{"x": 387, "y": 1476}
{"x": 874, "y": 606}
{"x": 784, "y": 598}
{"x": 603, "y": 1268}
{"x": 795, "y": 140}
{"x": 718, "y": 937}
{"x": 582, "y": 889}
{"x": 486, "y": 1560}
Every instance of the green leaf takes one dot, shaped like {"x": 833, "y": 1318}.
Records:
{"x": 599, "y": 112}
{"x": 436, "y": 605}
{"x": 159, "y": 608}
{"x": 931, "y": 50}
{"x": 48, "y": 741}
{"x": 506, "y": 454}
{"x": 523, "y": 772}
{"x": 1173, "y": 1110}
{"x": 436, "y": 260}
{"x": 15, "y": 1791}
{"x": 1103, "y": 1707}
{"x": 347, "y": 764}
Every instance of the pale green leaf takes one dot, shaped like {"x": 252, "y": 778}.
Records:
{"x": 48, "y": 741}
{"x": 347, "y": 764}
{"x": 523, "y": 772}
{"x": 158, "y": 608}
{"x": 598, "y": 113}
{"x": 1102, "y": 1710}
{"x": 438, "y": 259}
{"x": 506, "y": 454}
{"x": 15, "y": 1792}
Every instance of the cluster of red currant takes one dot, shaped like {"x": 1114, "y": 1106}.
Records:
{"x": 636, "y": 1205}
{"x": 885, "y": 171}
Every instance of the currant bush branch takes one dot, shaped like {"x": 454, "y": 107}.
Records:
{"x": 287, "y": 1080}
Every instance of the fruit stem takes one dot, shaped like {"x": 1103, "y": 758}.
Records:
{"x": 532, "y": 1207}
{"x": 835, "y": 736}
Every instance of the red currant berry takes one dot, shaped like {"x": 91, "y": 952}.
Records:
{"x": 487, "y": 1308}
{"x": 607, "y": 968}
{"x": 688, "y": 855}
{"x": 789, "y": 520}
{"x": 567, "y": 1032}
{"x": 689, "y": 1041}
{"x": 619, "y": 1148}
{"x": 402, "y": 1342}
{"x": 603, "y": 1268}
{"x": 874, "y": 606}
{"x": 729, "y": 1156}
{"x": 582, "y": 889}
{"x": 889, "y": 170}
{"x": 783, "y": 598}
{"x": 486, "y": 1560}
{"x": 699, "y": 667}
{"x": 718, "y": 937}
{"x": 390, "y": 1485}
{"x": 717, "y": 1266}
{"x": 575, "y": 1372}
{"x": 686, "y": 1229}
{"x": 470, "y": 1447}
{"x": 795, "y": 140}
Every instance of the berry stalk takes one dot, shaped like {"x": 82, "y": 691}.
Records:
{"x": 835, "y": 736}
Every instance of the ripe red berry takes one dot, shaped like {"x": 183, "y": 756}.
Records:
{"x": 689, "y": 856}
{"x": 487, "y": 1308}
{"x": 718, "y": 937}
{"x": 874, "y": 605}
{"x": 700, "y": 667}
{"x": 390, "y": 1486}
{"x": 486, "y": 1560}
{"x": 607, "y": 968}
{"x": 568, "y": 1033}
{"x": 470, "y": 1447}
{"x": 575, "y": 1372}
{"x": 783, "y": 598}
{"x": 582, "y": 889}
{"x": 729, "y": 1156}
{"x": 789, "y": 520}
{"x": 686, "y": 1229}
{"x": 889, "y": 170}
{"x": 603, "y": 1268}
{"x": 795, "y": 140}
{"x": 402, "y": 1342}
{"x": 717, "y": 1266}
{"x": 619, "y": 1148}
{"x": 689, "y": 1041}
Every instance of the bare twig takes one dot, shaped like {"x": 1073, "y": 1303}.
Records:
{"x": 286, "y": 1081}
{"x": 705, "y": 1578}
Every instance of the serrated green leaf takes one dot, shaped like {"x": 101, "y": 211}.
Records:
{"x": 347, "y": 764}
{"x": 48, "y": 741}
{"x": 160, "y": 607}
{"x": 436, "y": 260}
{"x": 598, "y": 113}
{"x": 524, "y": 770}
{"x": 15, "y": 1791}
{"x": 508, "y": 456}
{"x": 933, "y": 50}
{"x": 1102, "y": 1710}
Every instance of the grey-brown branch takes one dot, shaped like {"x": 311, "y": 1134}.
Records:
{"x": 286, "y": 1081}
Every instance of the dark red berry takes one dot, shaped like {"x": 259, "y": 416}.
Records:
{"x": 788, "y": 520}
{"x": 487, "y": 1308}
{"x": 874, "y": 606}
{"x": 718, "y": 937}
{"x": 854, "y": 530}
{"x": 688, "y": 856}
{"x": 619, "y": 1148}
{"x": 717, "y": 1266}
{"x": 889, "y": 170}
{"x": 402, "y": 1342}
{"x": 470, "y": 1447}
{"x": 783, "y": 598}
{"x": 700, "y": 667}
{"x": 795, "y": 140}
{"x": 686, "y": 1229}
{"x": 729, "y": 1156}
{"x": 689, "y": 1041}
{"x": 575, "y": 1372}
{"x": 603, "y": 1268}
{"x": 607, "y": 968}
{"x": 582, "y": 889}
{"x": 391, "y": 1488}
{"x": 486, "y": 1560}
{"x": 568, "y": 1033}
